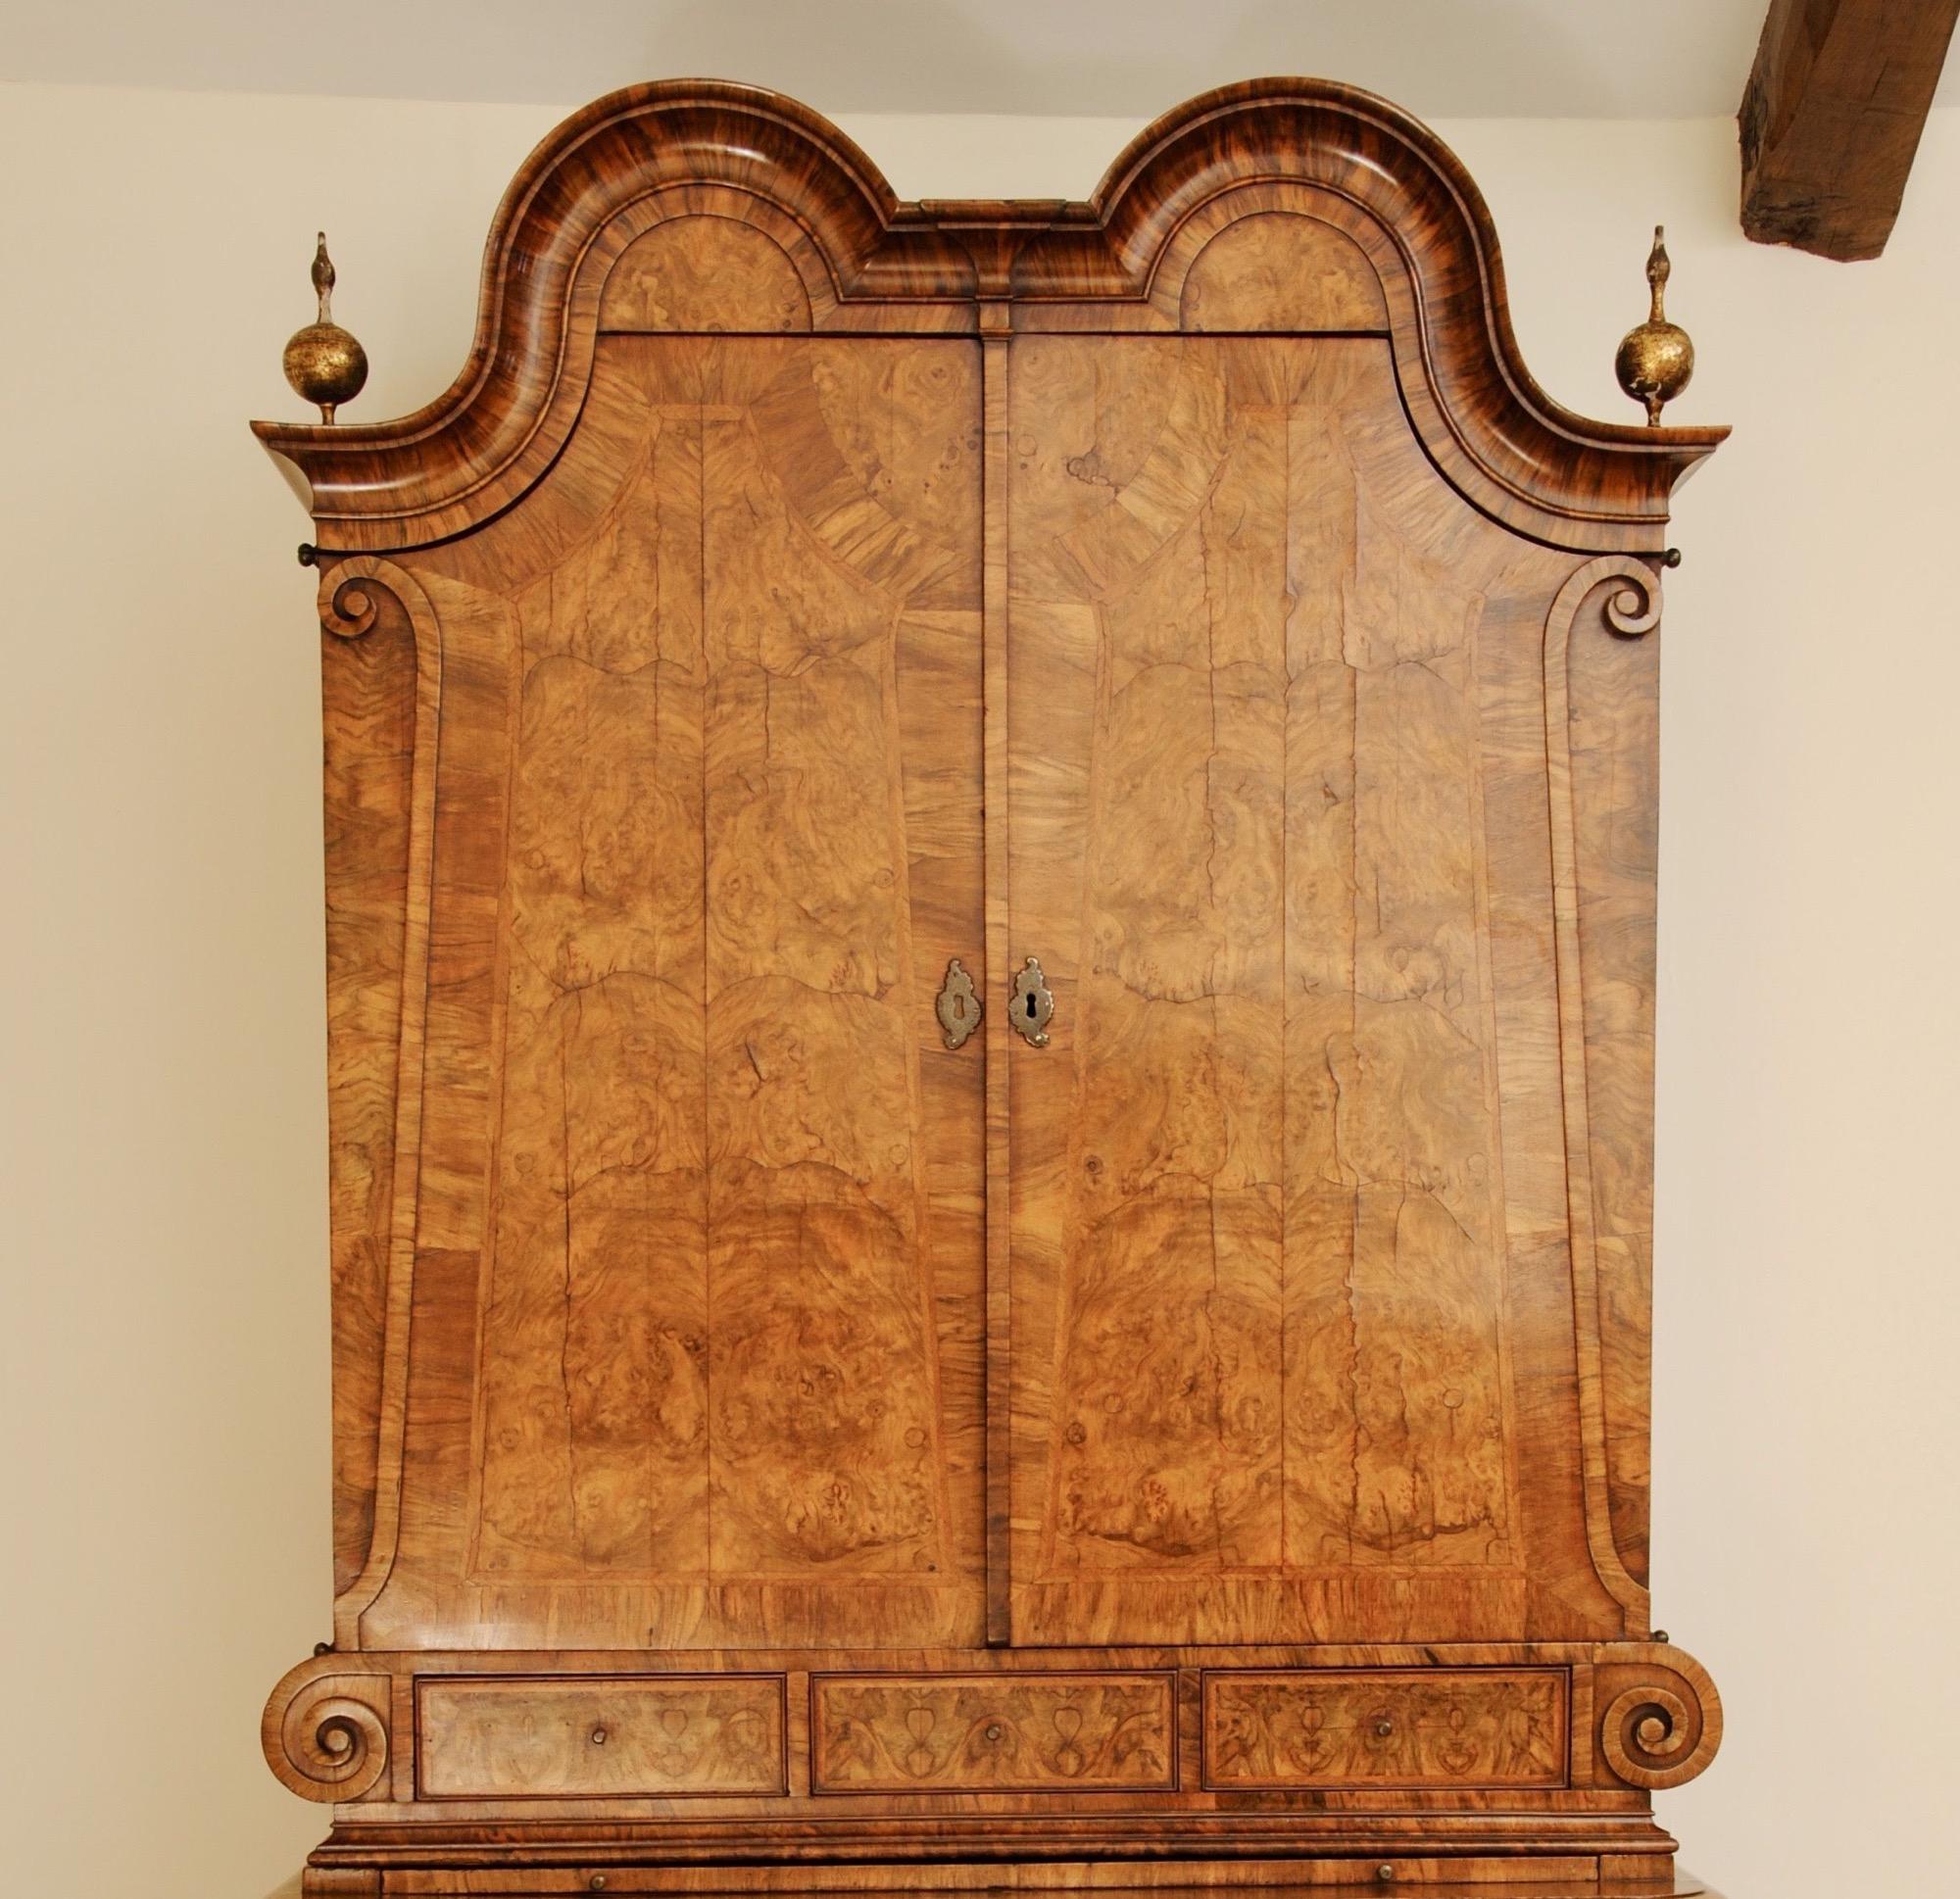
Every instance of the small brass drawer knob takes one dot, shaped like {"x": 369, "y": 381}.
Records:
{"x": 597, "y": 1882}
{"x": 993, "y": 1731}
{"x": 1385, "y": 1873}
{"x": 599, "y": 1737}
{"x": 1385, "y": 1727}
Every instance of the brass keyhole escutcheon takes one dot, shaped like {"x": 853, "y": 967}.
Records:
{"x": 1034, "y": 1003}
{"x": 957, "y": 1007}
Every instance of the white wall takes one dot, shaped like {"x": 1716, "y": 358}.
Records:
{"x": 164, "y": 1379}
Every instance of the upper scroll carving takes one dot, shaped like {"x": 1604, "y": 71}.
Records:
{"x": 847, "y": 256}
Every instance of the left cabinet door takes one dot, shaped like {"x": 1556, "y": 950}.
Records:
{"x": 691, "y": 1356}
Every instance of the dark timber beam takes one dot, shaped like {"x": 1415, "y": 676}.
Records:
{"x": 1831, "y": 116}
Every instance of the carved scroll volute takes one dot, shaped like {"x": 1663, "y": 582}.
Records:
{"x": 325, "y": 1733}
{"x": 1660, "y": 1719}
{"x": 348, "y": 590}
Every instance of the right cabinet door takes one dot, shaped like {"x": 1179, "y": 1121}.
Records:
{"x": 1294, "y": 1342}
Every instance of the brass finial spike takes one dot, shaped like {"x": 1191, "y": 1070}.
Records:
{"x": 1655, "y": 359}
{"x": 323, "y": 281}
{"x": 323, "y": 363}
{"x": 1660, "y": 267}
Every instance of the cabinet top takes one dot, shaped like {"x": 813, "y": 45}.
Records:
{"x": 1385, "y": 234}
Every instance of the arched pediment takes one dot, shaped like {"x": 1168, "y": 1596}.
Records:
{"x": 1292, "y": 204}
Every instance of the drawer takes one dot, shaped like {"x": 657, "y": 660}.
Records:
{"x": 990, "y": 1733}
{"x": 594, "y": 1736}
{"x": 1385, "y": 1727}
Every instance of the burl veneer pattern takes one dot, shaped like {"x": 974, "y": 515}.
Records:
{"x": 601, "y": 1737}
{"x": 1385, "y": 1729}
{"x": 994, "y": 1732}
{"x": 764, "y": 1434}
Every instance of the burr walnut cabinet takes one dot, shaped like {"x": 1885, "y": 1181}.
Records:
{"x": 1193, "y": 1430}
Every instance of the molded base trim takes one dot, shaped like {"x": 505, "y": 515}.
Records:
{"x": 1553, "y": 1877}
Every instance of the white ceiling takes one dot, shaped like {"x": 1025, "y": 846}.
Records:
{"x": 1621, "y": 59}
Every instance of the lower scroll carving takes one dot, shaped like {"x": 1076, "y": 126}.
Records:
{"x": 1661, "y": 1718}
{"x": 326, "y": 1737}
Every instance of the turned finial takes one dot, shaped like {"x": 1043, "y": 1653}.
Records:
{"x": 1655, "y": 359}
{"x": 323, "y": 363}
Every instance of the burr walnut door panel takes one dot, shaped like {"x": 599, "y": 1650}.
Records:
{"x": 1292, "y": 1307}
{"x": 696, "y": 1352}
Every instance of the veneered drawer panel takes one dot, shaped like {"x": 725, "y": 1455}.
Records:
{"x": 1401, "y": 1728}
{"x": 590, "y": 1736}
{"x": 1026, "y": 1732}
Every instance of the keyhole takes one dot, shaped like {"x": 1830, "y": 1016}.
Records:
{"x": 959, "y": 1008}
{"x": 1031, "y": 1006}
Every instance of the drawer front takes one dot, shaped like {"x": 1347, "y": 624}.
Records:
{"x": 601, "y": 1735}
{"x": 992, "y": 1733}
{"x": 1404, "y": 1727}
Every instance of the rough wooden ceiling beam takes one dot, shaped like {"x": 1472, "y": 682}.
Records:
{"x": 1832, "y": 115}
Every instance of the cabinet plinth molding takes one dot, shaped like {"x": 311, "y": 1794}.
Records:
{"x": 990, "y": 968}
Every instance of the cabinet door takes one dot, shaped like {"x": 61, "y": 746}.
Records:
{"x": 1292, "y": 1316}
{"x": 696, "y": 1354}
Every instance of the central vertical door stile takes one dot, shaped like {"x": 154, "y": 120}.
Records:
{"x": 994, "y": 350}
{"x": 705, "y": 675}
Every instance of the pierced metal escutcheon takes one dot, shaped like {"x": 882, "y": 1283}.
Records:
{"x": 957, "y": 1007}
{"x": 1033, "y": 1004}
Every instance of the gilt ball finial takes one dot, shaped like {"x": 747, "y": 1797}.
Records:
{"x": 325, "y": 365}
{"x": 1655, "y": 359}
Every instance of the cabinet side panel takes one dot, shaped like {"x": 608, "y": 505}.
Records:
{"x": 1614, "y": 732}
{"x": 368, "y": 696}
